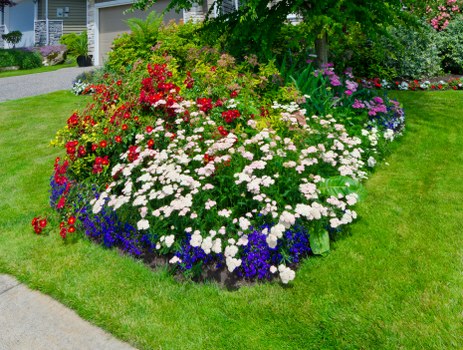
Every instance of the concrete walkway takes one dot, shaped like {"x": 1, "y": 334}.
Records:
{"x": 21, "y": 86}
{"x": 30, "y": 320}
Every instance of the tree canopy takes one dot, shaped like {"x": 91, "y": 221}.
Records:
{"x": 258, "y": 22}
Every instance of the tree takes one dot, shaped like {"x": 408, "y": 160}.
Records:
{"x": 257, "y": 23}
{"x": 4, "y": 3}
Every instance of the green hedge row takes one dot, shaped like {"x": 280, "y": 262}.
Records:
{"x": 21, "y": 58}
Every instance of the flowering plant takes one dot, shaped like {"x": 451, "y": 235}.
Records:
{"x": 218, "y": 165}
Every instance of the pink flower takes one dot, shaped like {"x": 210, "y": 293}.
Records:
{"x": 358, "y": 104}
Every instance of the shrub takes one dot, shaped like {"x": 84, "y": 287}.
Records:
{"x": 130, "y": 47}
{"x": 451, "y": 46}
{"x": 13, "y": 37}
{"x": 23, "y": 59}
{"x": 77, "y": 44}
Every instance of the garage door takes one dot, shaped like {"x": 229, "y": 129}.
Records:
{"x": 112, "y": 23}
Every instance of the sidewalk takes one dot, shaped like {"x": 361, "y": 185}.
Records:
{"x": 30, "y": 320}
{"x": 12, "y": 88}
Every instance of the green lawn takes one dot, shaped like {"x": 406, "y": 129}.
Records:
{"x": 15, "y": 73}
{"x": 395, "y": 283}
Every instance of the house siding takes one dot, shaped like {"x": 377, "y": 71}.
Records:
{"x": 77, "y": 20}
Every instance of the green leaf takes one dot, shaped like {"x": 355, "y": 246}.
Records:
{"x": 344, "y": 185}
{"x": 320, "y": 242}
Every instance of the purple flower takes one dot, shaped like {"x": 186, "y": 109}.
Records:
{"x": 358, "y": 104}
{"x": 334, "y": 80}
{"x": 351, "y": 85}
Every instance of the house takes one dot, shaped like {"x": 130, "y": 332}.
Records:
{"x": 42, "y": 22}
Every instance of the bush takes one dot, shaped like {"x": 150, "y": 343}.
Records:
{"x": 137, "y": 44}
{"x": 451, "y": 46}
{"x": 22, "y": 58}
{"x": 77, "y": 44}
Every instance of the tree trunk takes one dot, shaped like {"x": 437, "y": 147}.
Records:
{"x": 322, "y": 49}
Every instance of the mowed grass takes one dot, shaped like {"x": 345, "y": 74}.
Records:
{"x": 15, "y": 73}
{"x": 395, "y": 283}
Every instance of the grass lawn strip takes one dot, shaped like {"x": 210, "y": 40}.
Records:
{"x": 16, "y": 73}
{"x": 396, "y": 282}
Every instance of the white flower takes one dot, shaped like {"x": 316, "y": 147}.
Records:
{"x": 231, "y": 251}
{"x": 371, "y": 162}
{"x": 277, "y": 230}
{"x": 271, "y": 240}
{"x": 206, "y": 245}
{"x": 287, "y": 219}
{"x": 224, "y": 213}
{"x": 217, "y": 246}
{"x": 286, "y": 274}
{"x": 169, "y": 240}
{"x": 352, "y": 198}
{"x": 143, "y": 224}
{"x": 175, "y": 260}
{"x": 244, "y": 223}
{"x": 335, "y": 222}
{"x": 209, "y": 204}
{"x": 196, "y": 239}
{"x": 232, "y": 263}
{"x": 389, "y": 135}
{"x": 273, "y": 269}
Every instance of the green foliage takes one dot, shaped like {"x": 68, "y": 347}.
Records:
{"x": 70, "y": 40}
{"x": 412, "y": 53}
{"x": 320, "y": 242}
{"x": 77, "y": 44}
{"x": 138, "y": 44}
{"x": 342, "y": 185}
{"x": 21, "y": 58}
{"x": 13, "y": 37}
{"x": 451, "y": 46}
{"x": 401, "y": 52}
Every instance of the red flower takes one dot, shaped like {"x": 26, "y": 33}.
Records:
{"x": 71, "y": 229}
{"x": 149, "y": 129}
{"x": 230, "y": 115}
{"x": 118, "y": 139}
{"x": 72, "y": 220}
{"x": 124, "y": 127}
{"x": 43, "y": 223}
{"x": 103, "y": 144}
{"x": 233, "y": 94}
{"x": 63, "y": 232}
{"x": 61, "y": 203}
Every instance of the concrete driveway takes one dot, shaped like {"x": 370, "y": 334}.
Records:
{"x": 12, "y": 88}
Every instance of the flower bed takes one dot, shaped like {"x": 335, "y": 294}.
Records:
{"x": 220, "y": 168}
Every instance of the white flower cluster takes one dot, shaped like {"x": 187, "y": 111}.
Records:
{"x": 187, "y": 180}
{"x": 78, "y": 87}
